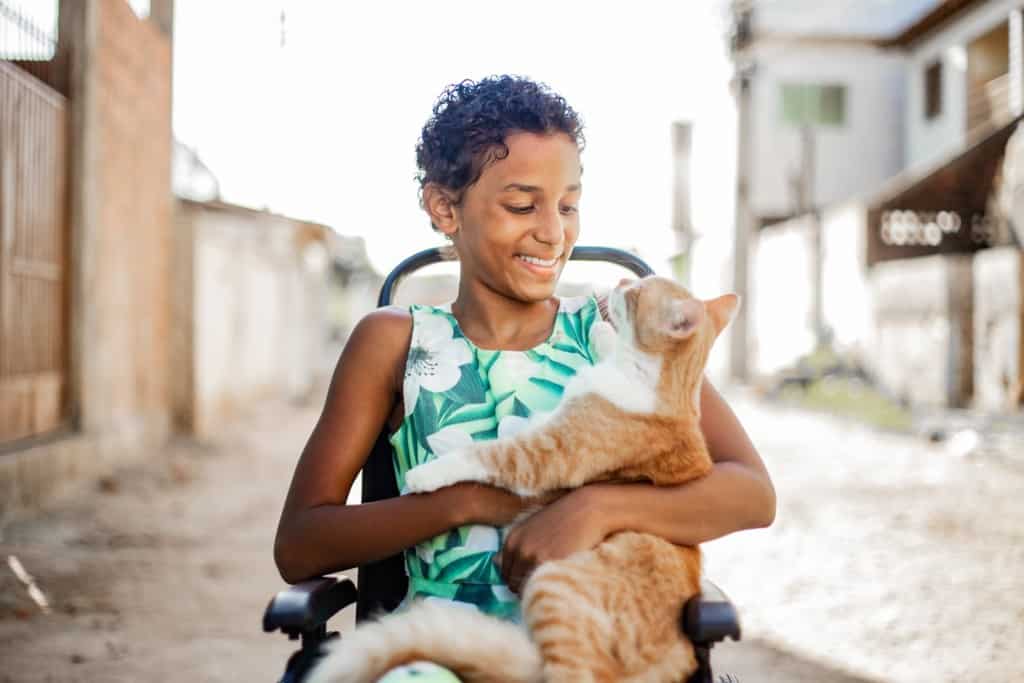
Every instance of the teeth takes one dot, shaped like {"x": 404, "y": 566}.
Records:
{"x": 537, "y": 261}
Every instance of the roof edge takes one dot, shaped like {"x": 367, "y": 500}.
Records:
{"x": 930, "y": 22}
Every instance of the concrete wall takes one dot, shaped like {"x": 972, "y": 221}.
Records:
{"x": 118, "y": 83}
{"x": 936, "y": 331}
{"x": 852, "y": 158}
{"x": 921, "y": 347}
{"x": 998, "y": 315}
{"x": 257, "y": 310}
{"x": 928, "y": 141}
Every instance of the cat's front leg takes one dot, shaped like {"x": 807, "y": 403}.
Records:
{"x": 451, "y": 468}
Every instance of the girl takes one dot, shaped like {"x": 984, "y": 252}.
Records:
{"x": 500, "y": 177}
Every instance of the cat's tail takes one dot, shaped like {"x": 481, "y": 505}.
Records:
{"x": 476, "y": 647}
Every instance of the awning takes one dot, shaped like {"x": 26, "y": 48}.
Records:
{"x": 942, "y": 209}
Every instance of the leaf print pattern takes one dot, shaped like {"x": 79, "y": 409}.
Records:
{"x": 455, "y": 393}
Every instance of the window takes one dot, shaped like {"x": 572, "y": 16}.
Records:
{"x": 819, "y": 105}
{"x": 933, "y": 90}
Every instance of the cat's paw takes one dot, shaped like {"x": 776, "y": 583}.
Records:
{"x": 444, "y": 471}
{"x": 425, "y": 478}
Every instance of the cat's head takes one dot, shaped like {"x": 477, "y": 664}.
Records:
{"x": 659, "y": 317}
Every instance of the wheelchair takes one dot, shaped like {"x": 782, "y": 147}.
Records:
{"x": 302, "y": 611}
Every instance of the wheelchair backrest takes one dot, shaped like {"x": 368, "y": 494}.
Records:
{"x": 383, "y": 584}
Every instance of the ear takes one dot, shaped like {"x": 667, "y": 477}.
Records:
{"x": 440, "y": 204}
{"x": 722, "y": 310}
{"x": 684, "y": 315}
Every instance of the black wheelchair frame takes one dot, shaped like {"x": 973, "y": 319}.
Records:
{"x": 302, "y": 611}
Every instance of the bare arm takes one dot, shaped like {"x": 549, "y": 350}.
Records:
{"x": 318, "y": 533}
{"x": 736, "y": 495}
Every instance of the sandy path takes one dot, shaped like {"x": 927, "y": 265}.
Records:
{"x": 889, "y": 562}
{"x": 889, "y": 557}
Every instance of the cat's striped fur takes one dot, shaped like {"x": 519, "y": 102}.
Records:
{"x": 609, "y": 614}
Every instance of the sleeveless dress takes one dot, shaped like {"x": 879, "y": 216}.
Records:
{"x": 456, "y": 393}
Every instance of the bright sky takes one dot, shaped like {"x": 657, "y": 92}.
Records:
{"x": 324, "y": 128}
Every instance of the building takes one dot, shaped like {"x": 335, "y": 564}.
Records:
{"x": 128, "y": 313}
{"x": 871, "y": 147}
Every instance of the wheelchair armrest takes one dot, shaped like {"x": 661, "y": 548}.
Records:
{"x": 709, "y": 617}
{"x": 306, "y": 607}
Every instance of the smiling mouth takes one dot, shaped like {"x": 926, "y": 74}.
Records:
{"x": 543, "y": 263}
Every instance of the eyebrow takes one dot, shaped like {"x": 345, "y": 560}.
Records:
{"x": 533, "y": 188}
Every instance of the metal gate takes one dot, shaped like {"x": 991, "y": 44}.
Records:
{"x": 33, "y": 255}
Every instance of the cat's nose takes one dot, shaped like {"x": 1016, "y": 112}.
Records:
{"x": 624, "y": 282}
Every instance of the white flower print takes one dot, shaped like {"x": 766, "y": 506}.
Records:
{"x": 449, "y": 439}
{"x": 426, "y": 549}
{"x": 572, "y": 304}
{"x": 482, "y": 538}
{"x": 434, "y": 359}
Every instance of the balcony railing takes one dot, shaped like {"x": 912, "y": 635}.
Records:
{"x": 988, "y": 105}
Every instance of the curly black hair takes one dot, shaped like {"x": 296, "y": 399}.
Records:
{"x": 471, "y": 120}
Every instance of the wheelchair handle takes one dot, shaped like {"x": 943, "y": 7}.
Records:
{"x": 426, "y": 257}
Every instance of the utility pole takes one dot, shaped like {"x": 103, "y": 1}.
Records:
{"x": 739, "y": 348}
{"x": 161, "y": 12}
{"x": 682, "y": 222}
{"x": 803, "y": 193}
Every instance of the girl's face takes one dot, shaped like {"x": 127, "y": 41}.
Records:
{"x": 516, "y": 226}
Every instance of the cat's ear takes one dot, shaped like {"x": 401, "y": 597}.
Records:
{"x": 722, "y": 310}
{"x": 683, "y": 317}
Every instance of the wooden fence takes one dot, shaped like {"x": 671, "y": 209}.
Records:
{"x": 33, "y": 255}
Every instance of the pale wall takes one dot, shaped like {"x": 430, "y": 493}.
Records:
{"x": 997, "y": 326}
{"x": 258, "y": 311}
{"x": 920, "y": 350}
{"x": 851, "y": 159}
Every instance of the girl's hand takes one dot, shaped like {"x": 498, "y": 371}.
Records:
{"x": 483, "y": 504}
{"x": 569, "y": 525}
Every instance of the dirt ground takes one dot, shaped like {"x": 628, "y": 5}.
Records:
{"x": 891, "y": 560}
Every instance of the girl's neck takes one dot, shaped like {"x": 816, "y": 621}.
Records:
{"x": 493, "y": 321}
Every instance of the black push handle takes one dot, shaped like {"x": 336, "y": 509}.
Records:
{"x": 618, "y": 257}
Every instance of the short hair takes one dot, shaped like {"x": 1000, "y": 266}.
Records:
{"x": 471, "y": 120}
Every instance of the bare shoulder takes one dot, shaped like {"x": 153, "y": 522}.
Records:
{"x": 380, "y": 341}
{"x": 384, "y": 324}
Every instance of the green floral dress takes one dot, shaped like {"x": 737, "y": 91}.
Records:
{"x": 456, "y": 393}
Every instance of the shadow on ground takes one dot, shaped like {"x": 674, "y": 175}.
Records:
{"x": 753, "y": 661}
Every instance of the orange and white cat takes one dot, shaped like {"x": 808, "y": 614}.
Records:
{"x": 609, "y": 614}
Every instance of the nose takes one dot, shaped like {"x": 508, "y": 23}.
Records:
{"x": 624, "y": 282}
{"x": 550, "y": 228}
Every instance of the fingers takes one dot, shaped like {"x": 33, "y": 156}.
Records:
{"x": 512, "y": 564}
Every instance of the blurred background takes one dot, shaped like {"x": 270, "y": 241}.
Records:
{"x": 199, "y": 199}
